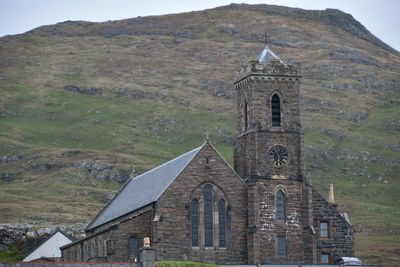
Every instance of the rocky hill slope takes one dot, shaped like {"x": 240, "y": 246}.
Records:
{"x": 85, "y": 105}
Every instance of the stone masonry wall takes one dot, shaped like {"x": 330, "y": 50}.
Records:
{"x": 111, "y": 243}
{"x": 341, "y": 235}
{"x": 256, "y": 133}
{"x": 267, "y": 228}
{"x": 172, "y": 233}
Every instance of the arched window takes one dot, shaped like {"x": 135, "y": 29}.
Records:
{"x": 208, "y": 216}
{"x": 245, "y": 116}
{"x": 276, "y": 110}
{"x": 280, "y": 205}
{"x": 222, "y": 223}
{"x": 194, "y": 218}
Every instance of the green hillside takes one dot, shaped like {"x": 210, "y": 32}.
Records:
{"x": 85, "y": 105}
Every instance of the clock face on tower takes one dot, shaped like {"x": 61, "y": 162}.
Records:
{"x": 278, "y": 155}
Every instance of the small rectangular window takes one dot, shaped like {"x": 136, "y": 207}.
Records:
{"x": 133, "y": 247}
{"x": 325, "y": 258}
{"x": 281, "y": 246}
{"x": 324, "y": 229}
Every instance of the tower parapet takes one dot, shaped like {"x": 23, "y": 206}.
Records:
{"x": 273, "y": 69}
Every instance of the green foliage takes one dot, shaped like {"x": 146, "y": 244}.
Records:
{"x": 14, "y": 253}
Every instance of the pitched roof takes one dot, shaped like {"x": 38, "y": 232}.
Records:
{"x": 143, "y": 189}
{"x": 50, "y": 247}
{"x": 267, "y": 55}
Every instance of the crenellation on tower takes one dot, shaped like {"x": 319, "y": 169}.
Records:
{"x": 274, "y": 69}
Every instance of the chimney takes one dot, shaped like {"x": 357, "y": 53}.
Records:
{"x": 331, "y": 194}
{"x": 146, "y": 242}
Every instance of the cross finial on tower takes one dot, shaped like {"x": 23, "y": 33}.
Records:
{"x": 207, "y": 136}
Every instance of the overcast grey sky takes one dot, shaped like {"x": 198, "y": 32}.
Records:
{"x": 381, "y": 17}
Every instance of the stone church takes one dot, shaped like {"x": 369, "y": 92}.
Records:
{"x": 197, "y": 207}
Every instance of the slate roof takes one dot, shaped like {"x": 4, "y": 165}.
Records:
{"x": 267, "y": 55}
{"x": 144, "y": 189}
{"x": 41, "y": 252}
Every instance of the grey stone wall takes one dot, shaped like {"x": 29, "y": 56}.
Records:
{"x": 109, "y": 243}
{"x": 255, "y": 85}
{"x": 341, "y": 235}
{"x": 266, "y": 228}
{"x": 172, "y": 234}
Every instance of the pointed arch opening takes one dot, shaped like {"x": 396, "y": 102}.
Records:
{"x": 208, "y": 216}
{"x": 222, "y": 223}
{"x": 276, "y": 110}
{"x": 194, "y": 220}
{"x": 280, "y": 205}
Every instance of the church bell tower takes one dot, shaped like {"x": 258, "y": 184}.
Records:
{"x": 269, "y": 142}
{"x": 269, "y": 158}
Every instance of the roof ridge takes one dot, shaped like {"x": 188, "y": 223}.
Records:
{"x": 105, "y": 215}
{"x": 166, "y": 163}
{"x": 184, "y": 167}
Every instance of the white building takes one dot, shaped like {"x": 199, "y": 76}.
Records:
{"x": 50, "y": 248}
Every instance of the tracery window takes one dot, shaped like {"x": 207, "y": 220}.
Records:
{"x": 208, "y": 216}
{"x": 280, "y": 205}
{"x": 222, "y": 223}
{"x": 194, "y": 218}
{"x": 276, "y": 110}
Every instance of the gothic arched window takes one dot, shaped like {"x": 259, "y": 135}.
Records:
{"x": 276, "y": 110}
{"x": 194, "y": 219}
{"x": 208, "y": 216}
{"x": 222, "y": 223}
{"x": 280, "y": 205}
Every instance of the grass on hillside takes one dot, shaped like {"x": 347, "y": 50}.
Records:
{"x": 178, "y": 75}
{"x": 11, "y": 254}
